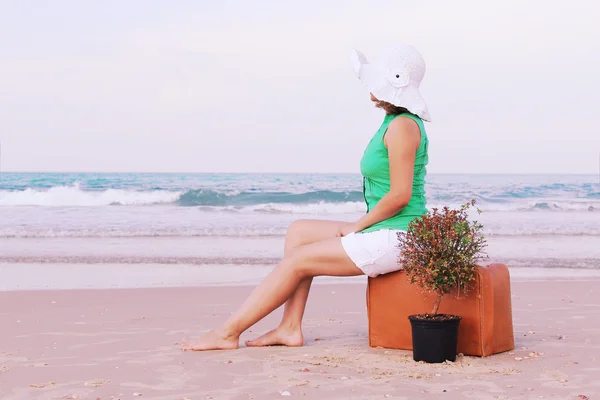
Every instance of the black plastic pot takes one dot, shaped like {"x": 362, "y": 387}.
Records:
{"x": 434, "y": 341}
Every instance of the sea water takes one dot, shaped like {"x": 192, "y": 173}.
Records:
{"x": 230, "y": 227}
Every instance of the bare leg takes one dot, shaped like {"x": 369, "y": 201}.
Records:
{"x": 326, "y": 257}
{"x": 289, "y": 331}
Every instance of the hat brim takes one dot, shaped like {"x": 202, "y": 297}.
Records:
{"x": 373, "y": 79}
{"x": 408, "y": 97}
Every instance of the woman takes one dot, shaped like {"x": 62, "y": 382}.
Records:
{"x": 393, "y": 168}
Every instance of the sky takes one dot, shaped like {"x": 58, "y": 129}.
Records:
{"x": 267, "y": 86}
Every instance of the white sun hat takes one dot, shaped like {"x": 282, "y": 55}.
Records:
{"x": 395, "y": 78}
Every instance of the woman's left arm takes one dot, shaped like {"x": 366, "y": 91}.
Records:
{"x": 402, "y": 140}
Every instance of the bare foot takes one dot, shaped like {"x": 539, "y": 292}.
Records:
{"x": 212, "y": 340}
{"x": 279, "y": 336}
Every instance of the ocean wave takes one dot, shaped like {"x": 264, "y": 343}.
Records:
{"x": 142, "y": 233}
{"x": 539, "y": 232}
{"x": 69, "y": 196}
{"x": 212, "y": 198}
{"x": 536, "y": 266}
{"x": 303, "y": 202}
{"x": 232, "y": 200}
{"x": 134, "y": 259}
{"x": 249, "y": 232}
{"x": 319, "y": 208}
{"x": 532, "y": 205}
{"x": 572, "y": 205}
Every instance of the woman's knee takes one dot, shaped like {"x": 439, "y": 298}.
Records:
{"x": 295, "y": 233}
{"x": 297, "y": 226}
{"x": 293, "y": 263}
{"x": 306, "y": 231}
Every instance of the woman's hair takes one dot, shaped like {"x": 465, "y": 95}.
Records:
{"x": 390, "y": 108}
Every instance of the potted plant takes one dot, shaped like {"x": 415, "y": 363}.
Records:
{"x": 439, "y": 252}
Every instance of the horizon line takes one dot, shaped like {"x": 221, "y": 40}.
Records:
{"x": 282, "y": 173}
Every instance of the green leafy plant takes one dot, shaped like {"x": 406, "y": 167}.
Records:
{"x": 440, "y": 251}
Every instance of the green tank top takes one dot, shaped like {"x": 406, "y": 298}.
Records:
{"x": 375, "y": 168}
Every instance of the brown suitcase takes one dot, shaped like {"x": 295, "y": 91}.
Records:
{"x": 486, "y": 327}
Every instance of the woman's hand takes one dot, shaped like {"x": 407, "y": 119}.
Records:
{"x": 346, "y": 228}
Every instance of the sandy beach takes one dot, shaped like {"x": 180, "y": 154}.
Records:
{"x": 125, "y": 344}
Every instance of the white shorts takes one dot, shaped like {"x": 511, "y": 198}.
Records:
{"x": 375, "y": 253}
